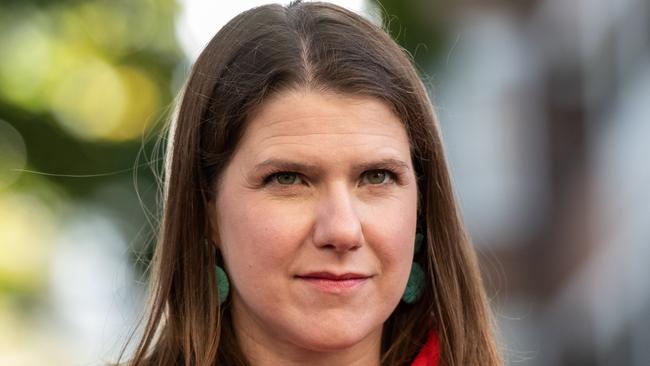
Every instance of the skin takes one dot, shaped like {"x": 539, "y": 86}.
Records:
{"x": 346, "y": 202}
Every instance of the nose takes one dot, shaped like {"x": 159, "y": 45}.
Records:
{"x": 337, "y": 225}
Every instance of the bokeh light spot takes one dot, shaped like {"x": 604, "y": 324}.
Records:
{"x": 27, "y": 226}
{"x": 90, "y": 101}
{"x": 25, "y": 64}
{"x": 142, "y": 103}
{"x": 101, "y": 101}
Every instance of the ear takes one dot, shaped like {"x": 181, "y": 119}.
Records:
{"x": 213, "y": 227}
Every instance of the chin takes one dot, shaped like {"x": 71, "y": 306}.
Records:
{"x": 328, "y": 339}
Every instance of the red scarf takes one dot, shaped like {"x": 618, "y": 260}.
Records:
{"x": 430, "y": 353}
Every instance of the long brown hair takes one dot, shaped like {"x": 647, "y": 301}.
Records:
{"x": 322, "y": 47}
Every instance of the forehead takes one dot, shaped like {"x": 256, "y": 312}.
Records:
{"x": 300, "y": 119}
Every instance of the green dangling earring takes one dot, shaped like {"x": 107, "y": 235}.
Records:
{"x": 415, "y": 284}
{"x": 222, "y": 284}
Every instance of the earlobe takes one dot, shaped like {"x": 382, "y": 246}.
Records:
{"x": 213, "y": 232}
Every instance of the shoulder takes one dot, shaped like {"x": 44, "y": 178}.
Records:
{"x": 430, "y": 352}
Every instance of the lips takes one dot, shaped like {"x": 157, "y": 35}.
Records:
{"x": 334, "y": 283}
{"x": 334, "y": 277}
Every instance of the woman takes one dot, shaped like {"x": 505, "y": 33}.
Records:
{"x": 308, "y": 214}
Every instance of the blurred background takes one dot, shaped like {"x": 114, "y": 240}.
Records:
{"x": 545, "y": 110}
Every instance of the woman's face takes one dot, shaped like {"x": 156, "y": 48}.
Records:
{"x": 315, "y": 218}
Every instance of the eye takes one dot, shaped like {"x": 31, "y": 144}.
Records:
{"x": 376, "y": 177}
{"x": 284, "y": 178}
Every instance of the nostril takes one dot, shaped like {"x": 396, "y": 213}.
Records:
{"x": 339, "y": 246}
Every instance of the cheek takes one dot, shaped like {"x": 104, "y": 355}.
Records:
{"x": 392, "y": 229}
{"x": 257, "y": 238}
{"x": 397, "y": 252}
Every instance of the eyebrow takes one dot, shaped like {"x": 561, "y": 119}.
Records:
{"x": 289, "y": 165}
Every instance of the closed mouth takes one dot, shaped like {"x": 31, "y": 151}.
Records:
{"x": 337, "y": 284}
{"x": 328, "y": 276}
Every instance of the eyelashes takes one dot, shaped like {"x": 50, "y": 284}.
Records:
{"x": 374, "y": 177}
{"x": 379, "y": 177}
{"x": 283, "y": 178}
